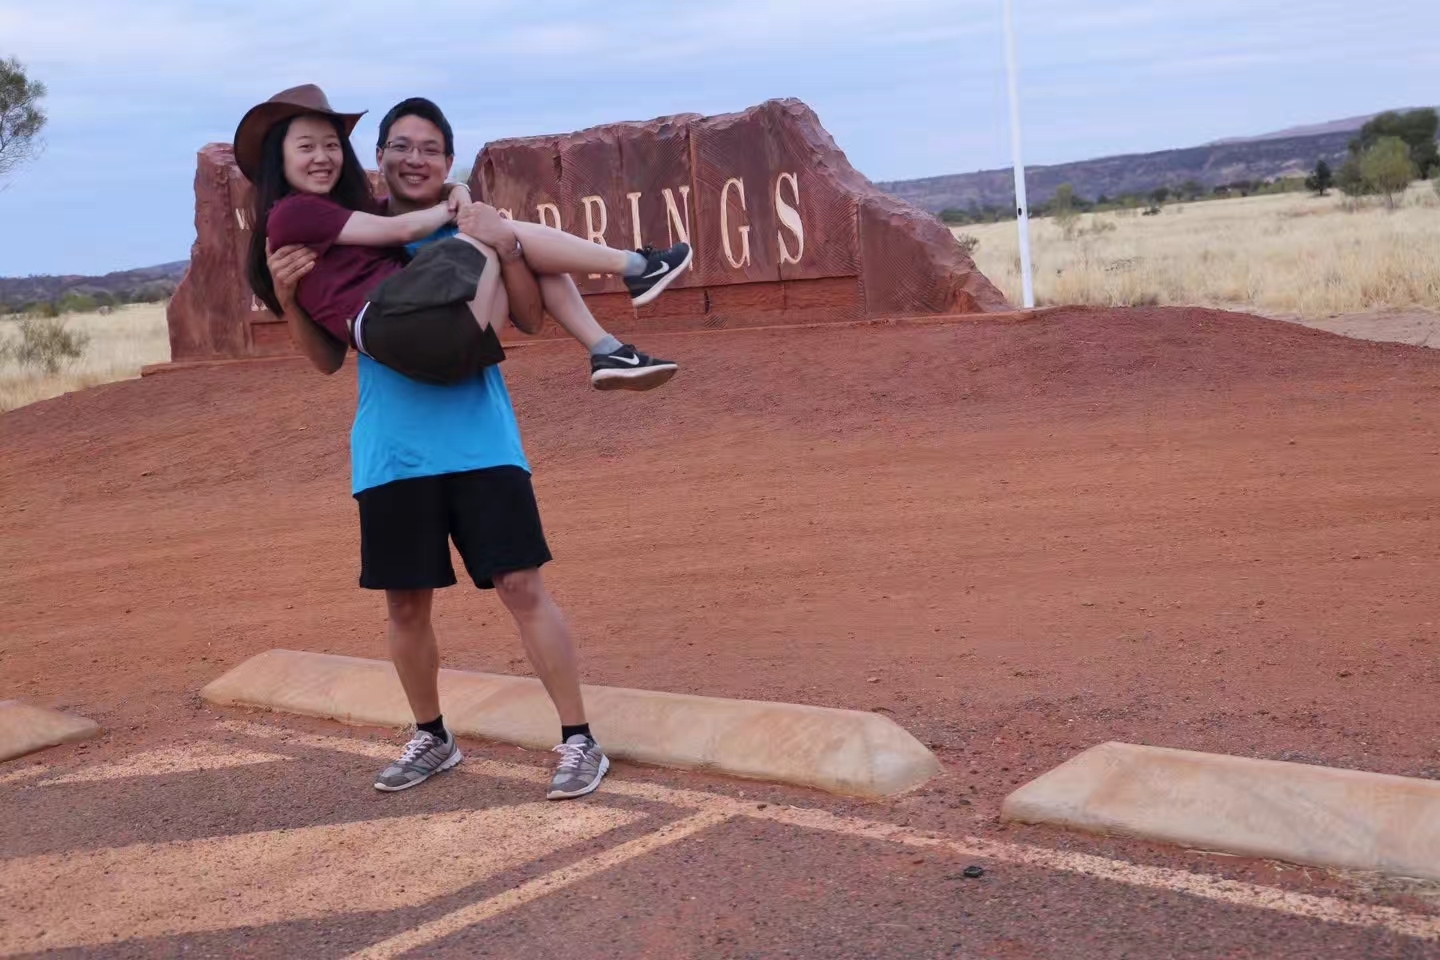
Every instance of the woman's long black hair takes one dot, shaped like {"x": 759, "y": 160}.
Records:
{"x": 351, "y": 190}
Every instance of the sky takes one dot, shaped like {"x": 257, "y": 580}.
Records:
{"x": 908, "y": 88}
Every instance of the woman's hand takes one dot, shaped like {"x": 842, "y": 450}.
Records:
{"x": 458, "y": 198}
{"x": 287, "y": 265}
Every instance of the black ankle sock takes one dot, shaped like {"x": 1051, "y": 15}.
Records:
{"x": 435, "y": 727}
{"x": 567, "y": 732}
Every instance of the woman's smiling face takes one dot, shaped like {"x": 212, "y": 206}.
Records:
{"x": 313, "y": 155}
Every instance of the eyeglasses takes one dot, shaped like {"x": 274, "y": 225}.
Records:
{"x": 403, "y": 148}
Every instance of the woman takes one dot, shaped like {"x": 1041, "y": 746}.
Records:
{"x": 430, "y": 319}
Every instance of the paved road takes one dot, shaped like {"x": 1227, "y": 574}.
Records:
{"x": 246, "y": 837}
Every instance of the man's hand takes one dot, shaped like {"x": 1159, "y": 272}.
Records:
{"x": 287, "y": 265}
{"x": 458, "y": 199}
{"x": 484, "y": 223}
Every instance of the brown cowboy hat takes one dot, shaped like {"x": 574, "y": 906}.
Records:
{"x": 304, "y": 99}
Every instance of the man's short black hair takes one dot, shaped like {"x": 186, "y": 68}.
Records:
{"x": 425, "y": 110}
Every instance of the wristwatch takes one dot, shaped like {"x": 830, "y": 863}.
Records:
{"x": 512, "y": 254}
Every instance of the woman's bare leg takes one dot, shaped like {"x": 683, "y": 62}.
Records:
{"x": 558, "y": 292}
{"x": 490, "y": 306}
{"x": 563, "y": 301}
{"x": 611, "y": 367}
{"x": 548, "y": 250}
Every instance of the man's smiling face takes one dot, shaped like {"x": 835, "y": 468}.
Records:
{"x": 413, "y": 161}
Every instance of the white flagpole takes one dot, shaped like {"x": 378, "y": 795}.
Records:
{"x": 1022, "y": 212}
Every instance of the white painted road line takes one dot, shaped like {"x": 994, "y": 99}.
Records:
{"x": 169, "y": 760}
{"x": 1209, "y": 887}
{"x": 474, "y": 913}
{"x": 252, "y": 879}
{"x": 23, "y": 774}
{"x": 1206, "y": 886}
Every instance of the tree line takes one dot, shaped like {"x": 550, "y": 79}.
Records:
{"x": 79, "y": 302}
{"x": 1390, "y": 152}
{"x": 1066, "y": 199}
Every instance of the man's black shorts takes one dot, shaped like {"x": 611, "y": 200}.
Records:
{"x": 418, "y": 321}
{"x": 406, "y": 528}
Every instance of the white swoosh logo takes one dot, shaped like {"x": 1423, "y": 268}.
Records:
{"x": 633, "y": 361}
{"x": 664, "y": 269}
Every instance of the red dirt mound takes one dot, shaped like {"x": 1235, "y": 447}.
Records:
{"x": 1019, "y": 538}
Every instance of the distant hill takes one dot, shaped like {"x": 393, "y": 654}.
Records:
{"x": 147, "y": 283}
{"x": 1267, "y": 157}
{"x": 1347, "y": 125}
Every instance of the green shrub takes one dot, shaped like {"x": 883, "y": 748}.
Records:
{"x": 77, "y": 303}
{"x": 47, "y": 344}
{"x": 1387, "y": 168}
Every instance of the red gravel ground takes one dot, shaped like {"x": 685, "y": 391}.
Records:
{"x": 1017, "y": 538}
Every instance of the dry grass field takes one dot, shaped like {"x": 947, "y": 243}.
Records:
{"x": 120, "y": 344}
{"x": 1285, "y": 255}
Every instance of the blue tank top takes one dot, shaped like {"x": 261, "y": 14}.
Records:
{"x": 404, "y": 428}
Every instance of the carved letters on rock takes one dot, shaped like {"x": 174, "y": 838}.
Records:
{"x": 784, "y": 229}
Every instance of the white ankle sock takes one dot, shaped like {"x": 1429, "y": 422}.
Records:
{"x": 634, "y": 266}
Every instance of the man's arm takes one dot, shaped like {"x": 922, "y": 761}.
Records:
{"x": 484, "y": 223}
{"x": 287, "y": 265}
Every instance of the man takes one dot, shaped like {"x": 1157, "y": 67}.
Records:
{"x": 430, "y": 464}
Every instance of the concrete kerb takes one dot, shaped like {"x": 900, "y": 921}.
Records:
{"x": 1320, "y": 816}
{"x": 840, "y": 751}
{"x": 25, "y": 729}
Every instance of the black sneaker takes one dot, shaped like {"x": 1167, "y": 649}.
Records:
{"x": 629, "y": 369}
{"x": 661, "y": 269}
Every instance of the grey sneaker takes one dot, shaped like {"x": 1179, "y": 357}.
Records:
{"x": 424, "y": 756}
{"x": 582, "y": 767}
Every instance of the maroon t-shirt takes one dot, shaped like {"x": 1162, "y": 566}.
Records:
{"x": 345, "y": 274}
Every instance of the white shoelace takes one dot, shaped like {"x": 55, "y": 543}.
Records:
{"x": 570, "y": 756}
{"x": 418, "y": 744}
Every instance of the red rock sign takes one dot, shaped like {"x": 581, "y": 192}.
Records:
{"x": 784, "y": 229}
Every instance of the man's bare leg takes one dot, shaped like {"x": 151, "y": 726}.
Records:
{"x": 546, "y": 638}
{"x": 551, "y": 651}
{"x": 416, "y": 655}
{"x": 414, "y": 650}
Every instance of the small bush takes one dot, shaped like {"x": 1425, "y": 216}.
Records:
{"x": 1062, "y": 208}
{"x": 1320, "y": 182}
{"x": 1351, "y": 181}
{"x": 1387, "y": 168}
{"x": 968, "y": 242}
{"x": 77, "y": 303}
{"x": 45, "y": 343}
